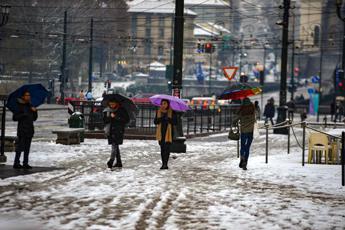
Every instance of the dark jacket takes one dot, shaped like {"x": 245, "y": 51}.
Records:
{"x": 164, "y": 121}
{"x": 246, "y": 115}
{"x": 25, "y": 117}
{"x": 117, "y": 124}
{"x": 269, "y": 110}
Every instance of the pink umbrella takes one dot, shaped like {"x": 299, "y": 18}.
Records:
{"x": 175, "y": 103}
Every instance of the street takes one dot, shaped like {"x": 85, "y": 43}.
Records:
{"x": 203, "y": 189}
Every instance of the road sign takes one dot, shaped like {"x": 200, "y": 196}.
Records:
{"x": 230, "y": 72}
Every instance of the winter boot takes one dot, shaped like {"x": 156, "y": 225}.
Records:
{"x": 110, "y": 163}
{"x": 164, "y": 166}
{"x": 241, "y": 162}
{"x": 118, "y": 161}
{"x": 27, "y": 166}
{"x": 244, "y": 165}
{"x": 17, "y": 166}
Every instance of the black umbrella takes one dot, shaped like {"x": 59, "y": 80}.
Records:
{"x": 124, "y": 101}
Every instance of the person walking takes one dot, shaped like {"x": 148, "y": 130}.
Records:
{"x": 291, "y": 109}
{"x": 89, "y": 96}
{"x": 332, "y": 109}
{"x": 246, "y": 117}
{"x": 115, "y": 118}
{"x": 26, "y": 115}
{"x": 81, "y": 95}
{"x": 165, "y": 120}
{"x": 269, "y": 111}
{"x": 257, "y": 110}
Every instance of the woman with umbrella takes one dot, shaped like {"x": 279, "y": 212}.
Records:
{"x": 165, "y": 119}
{"x": 115, "y": 118}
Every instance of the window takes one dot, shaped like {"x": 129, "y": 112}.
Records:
{"x": 134, "y": 26}
{"x": 317, "y": 35}
{"x": 147, "y": 49}
{"x": 161, "y": 27}
{"x": 160, "y": 50}
{"x": 148, "y": 27}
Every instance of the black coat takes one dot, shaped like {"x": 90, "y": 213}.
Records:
{"x": 25, "y": 117}
{"x": 164, "y": 121}
{"x": 117, "y": 125}
{"x": 269, "y": 110}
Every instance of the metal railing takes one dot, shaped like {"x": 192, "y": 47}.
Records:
{"x": 307, "y": 125}
{"x": 195, "y": 121}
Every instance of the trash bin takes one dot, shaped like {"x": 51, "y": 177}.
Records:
{"x": 77, "y": 120}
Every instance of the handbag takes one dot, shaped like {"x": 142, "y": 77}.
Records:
{"x": 234, "y": 133}
{"x": 107, "y": 129}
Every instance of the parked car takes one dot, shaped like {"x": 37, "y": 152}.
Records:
{"x": 204, "y": 103}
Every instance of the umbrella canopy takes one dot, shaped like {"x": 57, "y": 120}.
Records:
{"x": 239, "y": 91}
{"x": 175, "y": 103}
{"x": 124, "y": 101}
{"x": 37, "y": 94}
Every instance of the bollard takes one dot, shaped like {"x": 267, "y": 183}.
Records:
{"x": 343, "y": 158}
{"x": 266, "y": 127}
{"x": 303, "y": 142}
{"x": 325, "y": 121}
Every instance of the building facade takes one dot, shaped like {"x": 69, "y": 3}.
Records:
{"x": 151, "y": 33}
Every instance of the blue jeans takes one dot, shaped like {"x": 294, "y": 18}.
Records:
{"x": 246, "y": 141}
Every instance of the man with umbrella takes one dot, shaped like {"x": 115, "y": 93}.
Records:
{"x": 25, "y": 115}
{"x": 23, "y": 102}
{"x": 117, "y": 114}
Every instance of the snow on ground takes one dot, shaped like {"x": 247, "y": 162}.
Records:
{"x": 203, "y": 189}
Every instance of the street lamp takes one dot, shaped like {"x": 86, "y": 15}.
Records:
{"x": 5, "y": 13}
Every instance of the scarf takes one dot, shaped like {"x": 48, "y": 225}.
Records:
{"x": 168, "y": 134}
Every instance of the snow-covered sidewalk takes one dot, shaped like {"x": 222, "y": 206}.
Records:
{"x": 203, "y": 189}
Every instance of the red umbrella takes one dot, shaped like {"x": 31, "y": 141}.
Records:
{"x": 239, "y": 91}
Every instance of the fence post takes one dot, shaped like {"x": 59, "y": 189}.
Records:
{"x": 303, "y": 142}
{"x": 220, "y": 118}
{"x": 195, "y": 117}
{"x": 209, "y": 120}
{"x": 214, "y": 120}
{"x": 266, "y": 127}
{"x": 238, "y": 149}
{"x": 343, "y": 158}
{"x": 201, "y": 120}
{"x": 289, "y": 122}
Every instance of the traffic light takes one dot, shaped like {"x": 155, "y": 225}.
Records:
{"x": 169, "y": 72}
{"x": 169, "y": 86}
{"x": 208, "y": 48}
{"x": 225, "y": 42}
{"x": 243, "y": 78}
{"x": 340, "y": 87}
{"x": 292, "y": 88}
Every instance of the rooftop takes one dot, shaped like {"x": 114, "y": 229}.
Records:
{"x": 155, "y": 6}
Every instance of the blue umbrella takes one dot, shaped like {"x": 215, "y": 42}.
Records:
{"x": 38, "y": 95}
